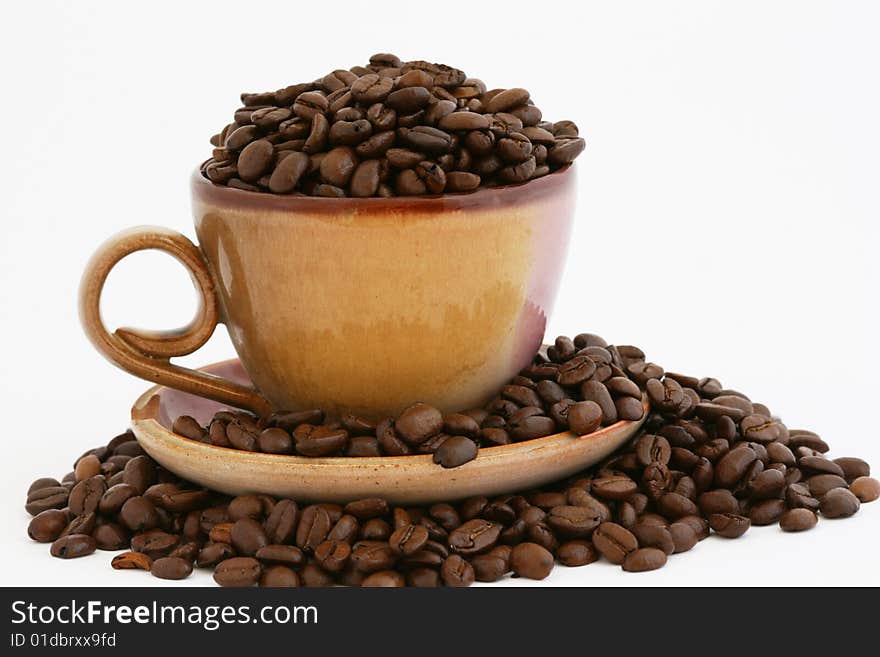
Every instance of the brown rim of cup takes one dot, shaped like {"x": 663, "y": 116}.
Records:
{"x": 531, "y": 190}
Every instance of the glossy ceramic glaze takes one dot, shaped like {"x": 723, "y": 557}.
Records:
{"x": 399, "y": 479}
{"x": 368, "y": 305}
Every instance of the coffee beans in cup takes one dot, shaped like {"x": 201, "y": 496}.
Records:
{"x": 390, "y": 128}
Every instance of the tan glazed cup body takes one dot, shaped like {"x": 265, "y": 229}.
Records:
{"x": 356, "y": 305}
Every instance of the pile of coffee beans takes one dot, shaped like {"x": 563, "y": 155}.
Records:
{"x": 390, "y": 128}
{"x": 579, "y": 385}
{"x": 707, "y": 460}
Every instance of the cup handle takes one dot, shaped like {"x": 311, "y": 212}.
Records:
{"x": 147, "y": 354}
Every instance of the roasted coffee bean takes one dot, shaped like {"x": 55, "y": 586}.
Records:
{"x": 531, "y": 560}
{"x": 84, "y": 496}
{"x": 719, "y": 500}
{"x": 155, "y": 543}
{"x": 573, "y": 521}
{"x": 866, "y": 489}
{"x": 529, "y": 427}
{"x": 131, "y": 561}
{"x": 282, "y": 522}
{"x": 853, "y": 468}
{"x": 72, "y": 546}
{"x": 213, "y": 553}
{"x": 629, "y": 408}
{"x": 839, "y": 503}
{"x": 652, "y": 448}
{"x": 576, "y": 553}
{"x": 314, "y": 525}
{"x": 88, "y": 466}
{"x": 312, "y": 575}
{"x": 418, "y": 423}
{"x": 731, "y": 467}
{"x": 455, "y": 451}
{"x": 798, "y": 496}
{"x": 238, "y": 572}
{"x": 384, "y": 579}
{"x": 474, "y": 536}
{"x": 319, "y": 441}
{"x": 371, "y": 507}
{"x": 584, "y": 417}
{"x": 729, "y": 525}
{"x": 819, "y": 465}
{"x": 171, "y": 568}
{"x": 139, "y": 514}
{"x": 614, "y": 487}
{"x": 821, "y": 484}
{"x": 798, "y": 520}
{"x": 684, "y": 537}
{"x": 654, "y": 535}
{"x": 766, "y": 512}
{"x": 489, "y": 567}
{"x": 248, "y": 536}
{"x": 279, "y": 577}
{"x": 48, "y": 525}
{"x": 332, "y": 556}
{"x": 408, "y": 539}
{"x": 373, "y": 557}
{"x": 287, "y": 174}
{"x": 614, "y": 541}
{"x": 644, "y": 559}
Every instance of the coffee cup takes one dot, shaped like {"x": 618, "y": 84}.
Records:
{"x": 353, "y": 305}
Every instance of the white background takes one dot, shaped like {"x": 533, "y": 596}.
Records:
{"x": 728, "y": 210}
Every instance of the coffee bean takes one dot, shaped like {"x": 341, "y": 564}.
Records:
{"x": 531, "y": 426}
{"x": 614, "y": 487}
{"x": 279, "y": 577}
{"x": 798, "y": 520}
{"x": 418, "y": 423}
{"x": 865, "y": 488}
{"x": 853, "y": 468}
{"x": 576, "y": 553}
{"x": 408, "y": 539}
{"x": 573, "y": 521}
{"x": 839, "y": 503}
{"x": 248, "y": 536}
{"x": 614, "y": 542}
{"x": 47, "y": 525}
{"x": 171, "y": 568}
{"x": 821, "y": 484}
{"x": 729, "y": 525}
{"x": 584, "y": 417}
{"x": 644, "y": 559}
{"x": 408, "y": 99}
{"x": 652, "y": 448}
{"x": 84, "y": 496}
{"x": 131, "y": 561}
{"x": 474, "y": 536}
{"x": 238, "y": 572}
{"x": 282, "y": 522}
{"x": 455, "y": 451}
{"x": 684, "y": 536}
{"x": 456, "y": 572}
{"x": 139, "y": 514}
{"x": 531, "y": 560}
{"x": 654, "y": 535}
{"x": 596, "y": 392}
{"x": 373, "y": 557}
{"x": 766, "y": 512}
{"x": 629, "y": 408}
{"x": 72, "y": 546}
{"x": 319, "y": 441}
{"x": 314, "y": 525}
